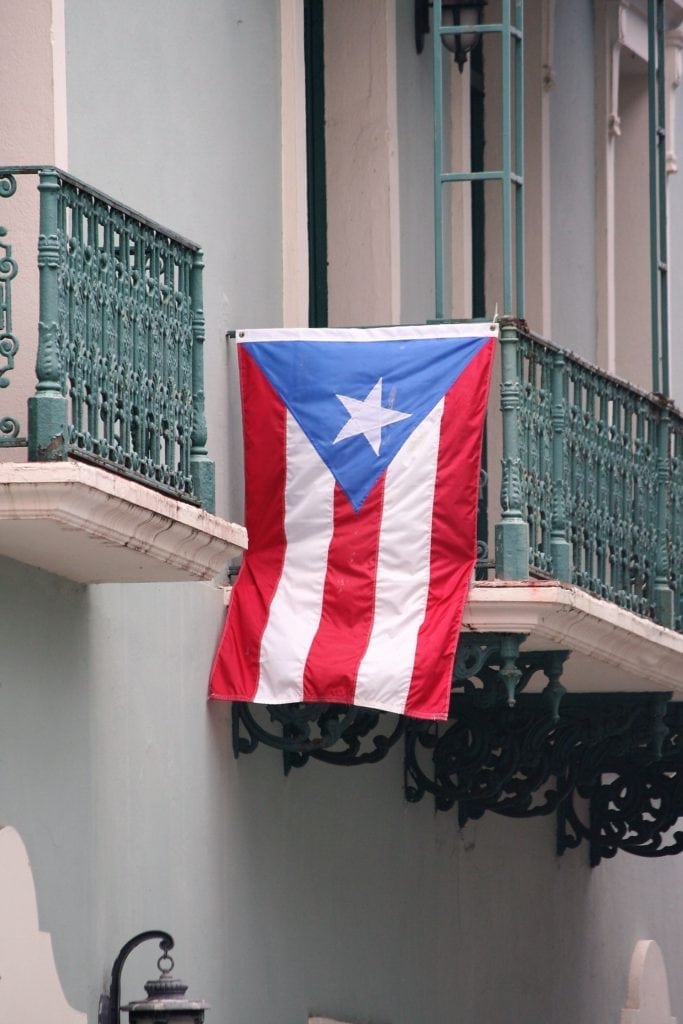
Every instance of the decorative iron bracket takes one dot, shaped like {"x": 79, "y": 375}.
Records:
{"x": 313, "y": 730}
{"x": 632, "y": 797}
{"x": 110, "y": 1004}
{"x": 609, "y": 765}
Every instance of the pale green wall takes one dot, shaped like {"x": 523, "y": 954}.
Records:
{"x": 324, "y": 891}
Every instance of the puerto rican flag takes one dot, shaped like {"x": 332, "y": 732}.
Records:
{"x": 362, "y": 455}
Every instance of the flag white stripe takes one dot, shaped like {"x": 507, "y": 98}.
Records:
{"x": 296, "y": 606}
{"x": 403, "y": 569}
{"x": 370, "y": 334}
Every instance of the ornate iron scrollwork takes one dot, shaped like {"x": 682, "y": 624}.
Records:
{"x": 609, "y": 765}
{"x": 335, "y": 733}
{"x": 494, "y": 754}
{"x": 633, "y": 796}
{"x": 9, "y": 343}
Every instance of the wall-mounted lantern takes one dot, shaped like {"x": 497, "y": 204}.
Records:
{"x": 455, "y": 14}
{"x": 165, "y": 1003}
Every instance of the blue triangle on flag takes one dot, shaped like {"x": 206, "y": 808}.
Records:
{"x": 310, "y": 377}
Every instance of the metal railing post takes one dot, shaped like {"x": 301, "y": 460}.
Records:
{"x": 202, "y": 468}
{"x": 512, "y": 532}
{"x": 47, "y": 409}
{"x": 560, "y": 548}
{"x": 663, "y": 593}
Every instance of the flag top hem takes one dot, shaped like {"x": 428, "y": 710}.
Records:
{"x": 368, "y": 334}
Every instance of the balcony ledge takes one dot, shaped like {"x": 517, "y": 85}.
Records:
{"x": 91, "y": 526}
{"x": 612, "y": 650}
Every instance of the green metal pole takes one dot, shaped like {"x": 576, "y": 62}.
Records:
{"x": 661, "y": 193}
{"x": 438, "y": 162}
{"x": 512, "y": 532}
{"x": 47, "y": 409}
{"x": 202, "y": 468}
{"x": 506, "y": 42}
{"x": 654, "y": 188}
{"x": 519, "y": 158}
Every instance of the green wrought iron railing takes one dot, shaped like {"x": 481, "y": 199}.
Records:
{"x": 9, "y": 344}
{"x": 592, "y": 480}
{"x": 119, "y": 365}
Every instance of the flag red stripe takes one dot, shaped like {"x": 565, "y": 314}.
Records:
{"x": 235, "y": 671}
{"x": 348, "y": 600}
{"x": 453, "y": 550}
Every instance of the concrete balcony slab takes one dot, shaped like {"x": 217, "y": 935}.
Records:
{"x": 92, "y": 526}
{"x": 612, "y": 649}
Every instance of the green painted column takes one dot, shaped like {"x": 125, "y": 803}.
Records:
{"x": 560, "y": 548}
{"x": 47, "y": 409}
{"x": 512, "y": 532}
{"x": 664, "y": 596}
{"x": 202, "y": 468}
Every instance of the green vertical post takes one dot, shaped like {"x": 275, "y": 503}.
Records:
{"x": 654, "y": 219}
{"x": 663, "y": 595}
{"x": 438, "y": 162}
{"x": 560, "y": 548}
{"x": 658, "y": 214}
{"x": 519, "y": 158}
{"x": 47, "y": 409}
{"x": 201, "y": 467}
{"x": 512, "y": 533}
{"x": 661, "y": 193}
{"x": 506, "y": 47}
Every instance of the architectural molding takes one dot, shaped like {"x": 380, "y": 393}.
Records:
{"x": 30, "y": 990}
{"x": 91, "y": 526}
{"x": 674, "y": 69}
{"x": 612, "y": 650}
{"x": 648, "y": 987}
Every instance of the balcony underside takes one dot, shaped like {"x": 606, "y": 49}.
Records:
{"x": 612, "y": 650}
{"x": 91, "y": 526}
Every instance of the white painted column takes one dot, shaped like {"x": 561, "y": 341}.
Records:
{"x": 608, "y": 41}
{"x": 648, "y": 987}
{"x": 33, "y": 130}
{"x": 294, "y": 170}
{"x": 362, "y": 163}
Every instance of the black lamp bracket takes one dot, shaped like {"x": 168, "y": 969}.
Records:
{"x": 110, "y": 1005}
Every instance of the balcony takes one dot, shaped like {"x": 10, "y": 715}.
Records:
{"x": 118, "y": 484}
{"x": 588, "y": 534}
{"x": 566, "y": 692}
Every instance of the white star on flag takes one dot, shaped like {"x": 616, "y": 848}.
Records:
{"x": 367, "y": 417}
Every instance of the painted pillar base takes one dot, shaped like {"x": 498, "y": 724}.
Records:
{"x": 47, "y": 427}
{"x": 512, "y": 549}
{"x": 664, "y": 605}
{"x": 561, "y": 554}
{"x": 204, "y": 482}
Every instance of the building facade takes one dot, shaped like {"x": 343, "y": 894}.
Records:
{"x": 294, "y": 141}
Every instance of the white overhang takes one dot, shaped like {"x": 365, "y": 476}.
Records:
{"x": 612, "y": 649}
{"x": 93, "y": 526}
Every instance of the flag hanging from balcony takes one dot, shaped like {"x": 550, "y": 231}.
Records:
{"x": 362, "y": 454}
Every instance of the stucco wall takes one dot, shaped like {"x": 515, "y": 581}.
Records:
{"x": 324, "y": 891}
{"x": 175, "y": 110}
{"x": 321, "y": 892}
